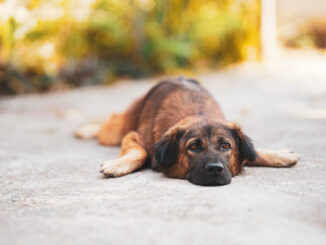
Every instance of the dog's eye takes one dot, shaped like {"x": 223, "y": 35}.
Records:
{"x": 195, "y": 146}
{"x": 224, "y": 146}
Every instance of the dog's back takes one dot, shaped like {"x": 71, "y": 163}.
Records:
{"x": 167, "y": 103}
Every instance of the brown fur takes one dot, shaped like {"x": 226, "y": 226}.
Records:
{"x": 168, "y": 108}
{"x": 132, "y": 157}
{"x": 112, "y": 131}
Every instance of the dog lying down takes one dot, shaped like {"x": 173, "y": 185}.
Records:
{"x": 179, "y": 129}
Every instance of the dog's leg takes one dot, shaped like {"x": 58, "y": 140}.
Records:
{"x": 275, "y": 158}
{"x": 110, "y": 132}
{"x": 88, "y": 130}
{"x": 132, "y": 157}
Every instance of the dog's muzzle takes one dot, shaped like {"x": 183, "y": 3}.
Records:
{"x": 211, "y": 174}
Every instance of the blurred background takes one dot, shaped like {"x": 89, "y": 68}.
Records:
{"x": 56, "y": 44}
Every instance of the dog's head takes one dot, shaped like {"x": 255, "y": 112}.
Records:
{"x": 206, "y": 153}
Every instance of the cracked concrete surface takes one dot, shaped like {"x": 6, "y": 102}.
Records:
{"x": 51, "y": 191}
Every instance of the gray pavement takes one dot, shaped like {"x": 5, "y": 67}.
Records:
{"x": 51, "y": 191}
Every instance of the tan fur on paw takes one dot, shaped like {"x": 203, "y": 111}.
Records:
{"x": 115, "y": 168}
{"x": 88, "y": 131}
{"x": 285, "y": 158}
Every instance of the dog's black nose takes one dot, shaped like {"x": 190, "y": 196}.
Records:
{"x": 214, "y": 168}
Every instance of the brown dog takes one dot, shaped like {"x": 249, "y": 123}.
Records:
{"x": 179, "y": 129}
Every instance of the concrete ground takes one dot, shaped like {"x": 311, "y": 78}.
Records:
{"x": 51, "y": 191}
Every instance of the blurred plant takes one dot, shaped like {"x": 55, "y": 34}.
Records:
{"x": 60, "y": 43}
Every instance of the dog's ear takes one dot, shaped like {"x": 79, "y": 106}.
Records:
{"x": 245, "y": 147}
{"x": 167, "y": 149}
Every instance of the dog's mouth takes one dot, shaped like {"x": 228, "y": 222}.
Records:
{"x": 210, "y": 181}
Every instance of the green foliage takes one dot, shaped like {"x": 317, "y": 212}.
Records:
{"x": 58, "y": 43}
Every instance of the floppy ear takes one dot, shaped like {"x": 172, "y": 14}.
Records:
{"x": 245, "y": 147}
{"x": 167, "y": 150}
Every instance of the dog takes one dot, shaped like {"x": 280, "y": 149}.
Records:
{"x": 179, "y": 129}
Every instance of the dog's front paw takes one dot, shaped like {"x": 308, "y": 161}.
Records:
{"x": 114, "y": 168}
{"x": 286, "y": 158}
